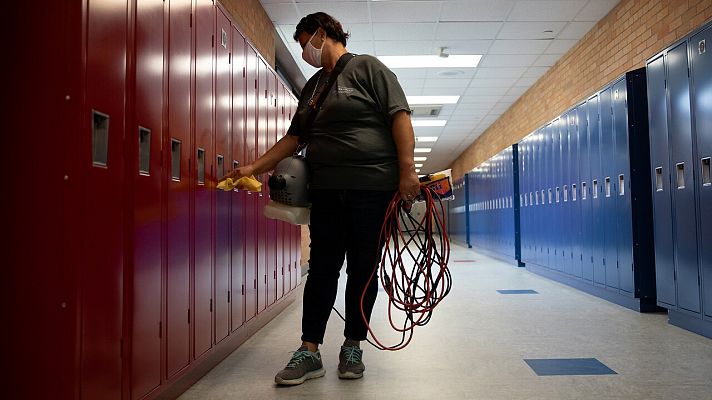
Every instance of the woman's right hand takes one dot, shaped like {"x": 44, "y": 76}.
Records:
{"x": 237, "y": 173}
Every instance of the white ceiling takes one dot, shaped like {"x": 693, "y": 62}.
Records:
{"x": 519, "y": 41}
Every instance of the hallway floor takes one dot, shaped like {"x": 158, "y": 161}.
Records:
{"x": 476, "y": 345}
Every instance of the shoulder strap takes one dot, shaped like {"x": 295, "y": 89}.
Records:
{"x": 315, "y": 103}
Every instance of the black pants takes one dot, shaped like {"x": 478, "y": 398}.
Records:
{"x": 343, "y": 223}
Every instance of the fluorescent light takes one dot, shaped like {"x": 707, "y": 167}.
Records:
{"x": 417, "y": 170}
{"x": 415, "y": 100}
{"x": 428, "y": 122}
{"x": 418, "y": 165}
{"x": 420, "y": 158}
{"x": 426, "y": 138}
{"x": 423, "y": 149}
{"x": 433, "y": 61}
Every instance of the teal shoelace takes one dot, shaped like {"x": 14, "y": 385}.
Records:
{"x": 353, "y": 355}
{"x": 298, "y": 357}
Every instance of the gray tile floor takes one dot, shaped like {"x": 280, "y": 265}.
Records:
{"x": 475, "y": 346}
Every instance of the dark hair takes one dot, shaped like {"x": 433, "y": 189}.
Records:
{"x": 312, "y": 22}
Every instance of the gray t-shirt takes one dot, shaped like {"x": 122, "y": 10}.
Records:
{"x": 350, "y": 144}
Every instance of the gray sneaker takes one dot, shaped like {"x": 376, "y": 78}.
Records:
{"x": 350, "y": 363}
{"x": 303, "y": 365}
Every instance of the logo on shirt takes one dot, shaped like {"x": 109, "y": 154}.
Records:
{"x": 344, "y": 90}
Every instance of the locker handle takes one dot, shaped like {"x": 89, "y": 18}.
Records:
{"x": 595, "y": 188}
{"x": 144, "y": 151}
{"x": 658, "y": 179}
{"x": 706, "y": 177}
{"x": 100, "y": 139}
{"x": 621, "y": 185}
{"x": 680, "y": 169}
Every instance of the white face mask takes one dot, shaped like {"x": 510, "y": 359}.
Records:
{"x": 311, "y": 54}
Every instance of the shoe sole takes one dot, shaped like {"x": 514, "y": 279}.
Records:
{"x": 298, "y": 381}
{"x": 350, "y": 375}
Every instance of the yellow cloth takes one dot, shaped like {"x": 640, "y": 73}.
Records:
{"x": 249, "y": 183}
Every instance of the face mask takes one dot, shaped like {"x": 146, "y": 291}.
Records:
{"x": 311, "y": 54}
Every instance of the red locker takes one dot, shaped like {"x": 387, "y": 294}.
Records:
{"x": 103, "y": 126}
{"x": 262, "y": 129}
{"x": 271, "y": 241}
{"x": 203, "y": 177}
{"x": 146, "y": 172}
{"x": 223, "y": 156}
{"x": 297, "y": 248}
{"x": 251, "y": 242}
{"x": 177, "y": 152}
{"x": 281, "y": 269}
{"x": 238, "y": 197}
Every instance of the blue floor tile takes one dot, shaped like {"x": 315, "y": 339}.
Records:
{"x": 525, "y": 291}
{"x": 569, "y": 366}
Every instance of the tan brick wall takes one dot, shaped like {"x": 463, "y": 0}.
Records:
{"x": 255, "y": 24}
{"x": 631, "y": 33}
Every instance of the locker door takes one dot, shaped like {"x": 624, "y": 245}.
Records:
{"x": 251, "y": 242}
{"x": 605, "y": 189}
{"x": 682, "y": 173}
{"x": 262, "y": 129}
{"x": 702, "y": 93}
{"x": 280, "y": 224}
{"x": 549, "y": 194}
{"x": 102, "y": 270}
{"x": 270, "y": 136}
{"x": 594, "y": 151}
{"x": 660, "y": 176}
{"x": 577, "y": 143}
{"x": 540, "y": 187}
{"x": 238, "y": 197}
{"x": 555, "y": 257}
{"x": 177, "y": 142}
{"x": 621, "y": 187}
{"x": 584, "y": 202}
{"x": 147, "y": 174}
{"x": 223, "y": 96}
{"x": 523, "y": 170}
{"x": 565, "y": 225}
{"x": 203, "y": 180}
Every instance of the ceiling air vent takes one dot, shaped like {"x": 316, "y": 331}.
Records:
{"x": 425, "y": 111}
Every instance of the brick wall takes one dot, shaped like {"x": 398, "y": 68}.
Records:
{"x": 255, "y": 24}
{"x": 631, "y": 33}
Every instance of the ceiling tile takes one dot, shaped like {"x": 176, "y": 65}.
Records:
{"x": 502, "y": 72}
{"x": 526, "y": 81}
{"x": 283, "y": 13}
{"x": 403, "y": 48}
{"x": 475, "y": 10}
{"x": 560, "y": 46}
{"x": 436, "y": 83}
{"x": 451, "y": 73}
{"x": 595, "y": 10}
{"x": 492, "y": 82}
{"x": 396, "y": 31}
{"x": 530, "y": 30}
{"x": 518, "y": 46}
{"x": 474, "y": 46}
{"x": 546, "y": 10}
{"x": 361, "y": 47}
{"x": 576, "y": 30}
{"x": 517, "y": 90}
{"x": 547, "y": 60}
{"x": 359, "y": 31}
{"x": 535, "y": 72}
{"x": 467, "y": 30}
{"x": 405, "y": 11}
{"x": 410, "y": 73}
{"x": 479, "y": 98}
{"x": 508, "y": 60}
{"x": 486, "y": 91}
{"x": 345, "y": 12}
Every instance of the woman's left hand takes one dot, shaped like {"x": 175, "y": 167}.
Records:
{"x": 409, "y": 186}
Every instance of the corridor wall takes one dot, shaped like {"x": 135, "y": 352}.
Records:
{"x": 152, "y": 275}
{"x": 680, "y": 113}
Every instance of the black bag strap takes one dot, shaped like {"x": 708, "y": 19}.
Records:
{"x": 318, "y": 99}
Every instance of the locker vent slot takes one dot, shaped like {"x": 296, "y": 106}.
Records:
{"x": 594, "y": 190}
{"x": 566, "y": 193}
{"x": 221, "y": 166}
{"x": 608, "y": 186}
{"x": 201, "y": 166}
{"x": 659, "y": 179}
{"x": 100, "y": 138}
{"x": 621, "y": 185}
{"x": 706, "y": 178}
{"x": 144, "y": 151}
{"x": 573, "y": 192}
{"x": 584, "y": 191}
{"x": 558, "y": 194}
{"x": 680, "y": 168}
{"x": 175, "y": 159}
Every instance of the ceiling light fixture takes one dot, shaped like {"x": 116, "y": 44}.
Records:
{"x": 426, "y": 138}
{"x": 429, "y": 122}
{"x": 418, "y": 165}
{"x": 420, "y": 158}
{"x": 418, "y": 100}
{"x": 423, "y": 149}
{"x": 451, "y": 61}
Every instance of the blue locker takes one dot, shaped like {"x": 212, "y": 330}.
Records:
{"x": 524, "y": 176}
{"x": 701, "y": 61}
{"x": 548, "y": 226}
{"x": 605, "y": 191}
{"x": 594, "y": 156}
{"x": 660, "y": 175}
{"x": 576, "y": 146}
{"x": 565, "y": 213}
{"x": 555, "y": 258}
{"x": 541, "y": 209}
{"x": 621, "y": 187}
{"x": 682, "y": 173}
{"x": 584, "y": 204}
